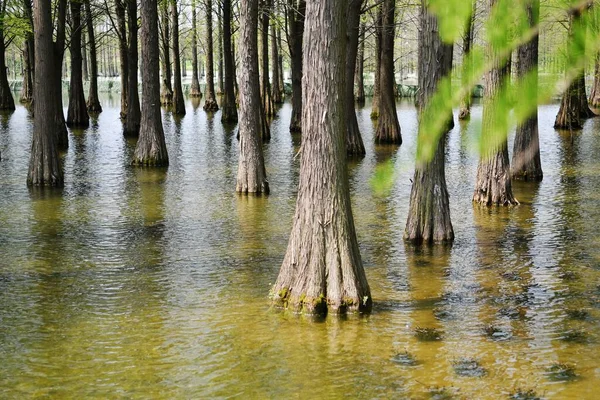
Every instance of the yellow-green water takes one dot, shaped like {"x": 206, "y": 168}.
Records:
{"x": 141, "y": 283}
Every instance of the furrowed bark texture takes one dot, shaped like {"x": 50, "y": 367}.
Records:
{"x": 526, "y": 162}
{"x": 360, "y": 68}
{"x": 229, "y": 113}
{"x": 123, "y": 56}
{"x": 44, "y": 164}
{"x": 210, "y": 101}
{"x": 465, "y": 106}
{"x": 28, "y": 57}
{"x": 377, "y": 82}
{"x": 166, "y": 92}
{"x": 77, "y": 114}
{"x": 251, "y": 176}
{"x": 93, "y": 102}
{"x": 151, "y": 149}
{"x": 429, "y": 210}
{"x": 354, "y": 142}
{"x": 265, "y": 85}
{"x": 195, "y": 88}
{"x": 322, "y": 270}
{"x": 296, "y": 10}
{"x": 178, "y": 102}
{"x": 388, "y": 127}
{"x": 133, "y": 119}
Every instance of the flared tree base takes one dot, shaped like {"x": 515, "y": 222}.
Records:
{"x": 211, "y": 105}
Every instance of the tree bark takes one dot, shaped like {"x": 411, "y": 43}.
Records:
{"x": 28, "y": 57}
{"x": 280, "y": 63}
{"x": 277, "y": 97}
{"x": 56, "y": 81}
{"x": 429, "y": 210}
{"x": 322, "y": 270}
{"x": 121, "y": 30}
{"x": 220, "y": 83}
{"x": 296, "y": 12}
{"x": 526, "y": 162}
{"x": 595, "y": 94}
{"x": 45, "y": 167}
{"x": 195, "y": 91}
{"x": 6, "y": 99}
{"x": 354, "y": 142}
{"x": 77, "y": 114}
{"x": 229, "y": 113}
{"x": 210, "y": 101}
{"x": 251, "y": 176}
{"x": 133, "y": 119}
{"x": 465, "y": 106}
{"x": 93, "y": 102}
{"x": 265, "y": 85}
{"x": 166, "y": 92}
{"x": 151, "y": 149}
{"x": 493, "y": 186}
{"x": 84, "y": 59}
{"x": 178, "y": 101}
{"x": 388, "y": 127}
{"x": 360, "y": 68}
{"x": 377, "y": 81}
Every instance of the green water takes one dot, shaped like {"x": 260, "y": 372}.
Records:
{"x": 141, "y": 283}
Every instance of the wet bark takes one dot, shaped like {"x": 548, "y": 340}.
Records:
{"x": 229, "y": 113}
{"x": 77, "y": 114}
{"x": 493, "y": 186}
{"x": 429, "y": 210}
{"x": 322, "y": 269}
{"x": 354, "y": 142}
{"x": 377, "y": 81}
{"x": 360, "y": 68}
{"x": 93, "y": 102}
{"x": 121, "y": 30}
{"x": 178, "y": 101}
{"x": 296, "y": 12}
{"x": 45, "y": 168}
{"x": 388, "y": 127}
{"x": 277, "y": 93}
{"x": 465, "y": 106}
{"x": 151, "y": 149}
{"x": 6, "y": 99}
{"x": 526, "y": 162}
{"x": 133, "y": 119}
{"x": 166, "y": 91}
{"x": 210, "y": 101}
{"x": 195, "y": 88}
{"x": 251, "y": 175}
{"x": 265, "y": 85}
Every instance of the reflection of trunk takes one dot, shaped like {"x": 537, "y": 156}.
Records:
{"x": 295, "y": 10}
{"x": 465, "y": 106}
{"x": 210, "y": 101}
{"x": 265, "y": 86}
{"x": 178, "y": 102}
{"x": 388, "y": 127}
{"x": 251, "y": 176}
{"x": 429, "y": 210}
{"x": 123, "y": 61}
{"x": 195, "y": 88}
{"x": 44, "y": 164}
{"x": 354, "y": 143}
{"x": 377, "y": 81}
{"x": 360, "y": 68}
{"x": 132, "y": 122}
{"x": 93, "y": 103}
{"x": 77, "y": 115}
{"x": 151, "y": 149}
{"x": 322, "y": 270}
{"x": 526, "y": 163}
{"x": 229, "y": 113}
{"x": 493, "y": 185}
{"x": 277, "y": 97}
{"x": 166, "y": 92}
{"x": 6, "y": 99}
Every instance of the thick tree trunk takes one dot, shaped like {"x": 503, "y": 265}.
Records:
{"x": 132, "y": 122}
{"x": 6, "y": 99}
{"x": 251, "y": 176}
{"x": 151, "y": 149}
{"x": 595, "y": 94}
{"x": 584, "y": 107}
{"x": 429, "y": 209}
{"x": 388, "y": 127}
{"x": 77, "y": 115}
{"x": 166, "y": 91}
{"x": 178, "y": 101}
{"x": 377, "y": 81}
{"x": 360, "y": 68}
{"x": 210, "y": 100}
{"x": 322, "y": 269}
{"x": 296, "y": 12}
{"x": 465, "y": 106}
{"x": 220, "y": 83}
{"x": 44, "y": 164}
{"x": 493, "y": 186}
{"x": 121, "y": 29}
{"x": 277, "y": 97}
{"x": 195, "y": 88}
{"x": 229, "y": 113}
{"x": 354, "y": 142}
{"x": 93, "y": 102}
{"x": 526, "y": 162}
{"x": 265, "y": 85}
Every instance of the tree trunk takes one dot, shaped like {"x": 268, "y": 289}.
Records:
{"x": 195, "y": 88}
{"x": 178, "y": 102}
{"x": 44, "y": 164}
{"x": 151, "y": 149}
{"x": 77, "y": 115}
{"x": 354, "y": 142}
{"x": 251, "y": 176}
{"x": 296, "y": 12}
{"x": 429, "y": 209}
{"x": 121, "y": 29}
{"x": 360, "y": 68}
{"x": 388, "y": 127}
{"x": 93, "y": 102}
{"x": 6, "y": 99}
{"x": 322, "y": 269}
{"x": 526, "y": 162}
{"x": 56, "y": 76}
{"x": 132, "y": 122}
{"x": 277, "y": 97}
{"x": 493, "y": 186}
{"x": 166, "y": 92}
{"x": 265, "y": 86}
{"x": 280, "y": 64}
{"x": 84, "y": 59}
{"x": 465, "y": 106}
{"x": 28, "y": 57}
{"x": 377, "y": 81}
{"x": 229, "y": 113}
{"x": 595, "y": 94}
{"x": 210, "y": 101}
{"x": 220, "y": 82}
